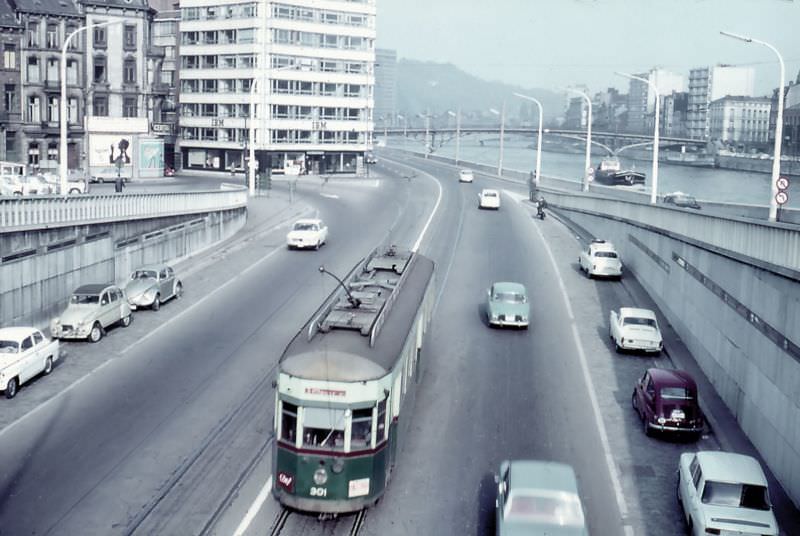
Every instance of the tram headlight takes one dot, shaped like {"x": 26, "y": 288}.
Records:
{"x": 320, "y": 476}
{"x": 338, "y": 465}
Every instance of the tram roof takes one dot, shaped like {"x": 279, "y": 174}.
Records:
{"x": 346, "y": 355}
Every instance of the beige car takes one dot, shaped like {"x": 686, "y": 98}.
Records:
{"x": 92, "y": 309}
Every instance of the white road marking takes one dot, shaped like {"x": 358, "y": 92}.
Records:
{"x": 330, "y": 196}
{"x": 254, "y": 508}
{"x": 416, "y": 245}
{"x": 601, "y": 428}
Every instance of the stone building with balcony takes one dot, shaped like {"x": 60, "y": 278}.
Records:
{"x": 11, "y": 110}
{"x": 740, "y": 122}
{"x": 46, "y": 23}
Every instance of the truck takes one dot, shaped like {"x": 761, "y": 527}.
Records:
{"x": 24, "y": 354}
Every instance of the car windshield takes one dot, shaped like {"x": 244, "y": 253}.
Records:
{"x": 736, "y": 495}
{"x": 509, "y": 297}
{"x": 558, "y": 508}
{"x": 606, "y": 254}
{"x": 681, "y": 393}
{"x": 9, "y": 347}
{"x": 638, "y": 321}
{"x": 305, "y": 226}
{"x": 144, "y": 274}
{"x": 84, "y": 299}
{"x": 489, "y": 194}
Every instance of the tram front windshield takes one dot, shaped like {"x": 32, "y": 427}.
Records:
{"x": 324, "y": 428}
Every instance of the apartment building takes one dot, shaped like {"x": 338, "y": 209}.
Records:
{"x": 313, "y": 67}
{"x": 642, "y": 97}
{"x": 11, "y": 110}
{"x": 708, "y": 84}
{"x": 165, "y": 83}
{"x": 741, "y": 122}
{"x": 386, "y": 87}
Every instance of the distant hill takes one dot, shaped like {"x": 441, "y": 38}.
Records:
{"x": 438, "y": 87}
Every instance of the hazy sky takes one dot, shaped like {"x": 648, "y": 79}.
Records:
{"x": 553, "y": 43}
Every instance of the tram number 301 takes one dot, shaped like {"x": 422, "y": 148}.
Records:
{"x": 318, "y": 492}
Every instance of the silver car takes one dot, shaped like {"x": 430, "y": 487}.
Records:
{"x": 92, "y": 309}
{"x": 152, "y": 285}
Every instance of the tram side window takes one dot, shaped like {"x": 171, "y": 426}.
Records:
{"x": 323, "y": 428}
{"x": 381, "y": 420}
{"x": 288, "y": 422}
{"x": 361, "y": 429}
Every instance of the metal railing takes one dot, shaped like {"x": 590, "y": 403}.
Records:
{"x": 25, "y": 213}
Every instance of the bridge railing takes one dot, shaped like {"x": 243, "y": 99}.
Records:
{"x": 22, "y": 213}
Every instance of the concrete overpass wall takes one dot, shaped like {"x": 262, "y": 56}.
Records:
{"x": 731, "y": 291}
{"x": 41, "y": 264}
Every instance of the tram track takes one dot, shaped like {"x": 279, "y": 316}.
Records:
{"x": 290, "y": 522}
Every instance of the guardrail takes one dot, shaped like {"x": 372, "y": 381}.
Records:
{"x": 24, "y": 213}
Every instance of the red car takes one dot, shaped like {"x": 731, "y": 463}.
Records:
{"x": 169, "y": 172}
{"x": 666, "y": 401}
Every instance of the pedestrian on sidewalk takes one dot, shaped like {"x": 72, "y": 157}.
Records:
{"x": 119, "y": 184}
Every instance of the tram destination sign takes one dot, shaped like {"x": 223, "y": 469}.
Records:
{"x": 325, "y": 392}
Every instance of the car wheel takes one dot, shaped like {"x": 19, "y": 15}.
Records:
{"x": 178, "y": 290}
{"x": 48, "y": 366}
{"x": 678, "y": 496}
{"x": 617, "y": 347}
{"x": 100, "y": 180}
{"x": 97, "y": 332}
{"x": 11, "y": 387}
{"x": 316, "y": 246}
{"x": 74, "y": 191}
{"x": 156, "y": 303}
{"x": 126, "y": 321}
{"x": 635, "y": 403}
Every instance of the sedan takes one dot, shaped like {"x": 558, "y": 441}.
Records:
{"x": 465, "y": 175}
{"x": 507, "y": 305}
{"x": 538, "y": 498}
{"x": 682, "y": 200}
{"x": 635, "y": 329}
{"x": 92, "y": 309}
{"x": 307, "y": 233}
{"x": 489, "y": 198}
{"x": 724, "y": 493}
{"x": 666, "y": 401}
{"x": 150, "y": 286}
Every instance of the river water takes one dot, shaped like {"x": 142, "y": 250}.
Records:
{"x": 720, "y": 185}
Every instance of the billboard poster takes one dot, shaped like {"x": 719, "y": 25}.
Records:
{"x": 106, "y": 149}
{"x": 151, "y": 155}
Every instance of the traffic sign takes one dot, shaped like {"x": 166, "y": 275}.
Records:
{"x": 782, "y": 183}
{"x": 781, "y": 197}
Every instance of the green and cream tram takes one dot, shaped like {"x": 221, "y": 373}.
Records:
{"x": 346, "y": 384}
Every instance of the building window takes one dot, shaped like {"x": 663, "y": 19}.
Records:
{"x": 72, "y": 72}
{"x": 73, "y": 43}
{"x": 100, "y": 37}
{"x": 34, "y": 111}
{"x": 52, "y": 152}
{"x": 72, "y": 111}
{"x": 99, "y": 69}
{"x": 11, "y": 141}
{"x": 52, "y": 109}
{"x": 52, "y": 71}
{"x": 129, "y": 107}
{"x": 33, "y": 70}
{"x": 33, "y": 154}
{"x": 9, "y": 97}
{"x": 52, "y": 36}
{"x": 33, "y": 35}
{"x": 9, "y": 56}
{"x": 100, "y": 105}
{"x": 129, "y": 71}
{"x": 130, "y": 37}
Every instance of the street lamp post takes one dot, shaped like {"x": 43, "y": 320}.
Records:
{"x": 588, "y": 162}
{"x": 502, "y": 115}
{"x": 654, "y": 188}
{"x": 457, "y": 115}
{"x": 539, "y": 141}
{"x": 62, "y": 153}
{"x": 776, "y": 157}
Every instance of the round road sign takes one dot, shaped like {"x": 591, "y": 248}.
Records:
{"x": 782, "y": 183}
{"x": 781, "y": 198}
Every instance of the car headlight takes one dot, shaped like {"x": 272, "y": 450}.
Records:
{"x": 661, "y": 420}
{"x": 320, "y": 476}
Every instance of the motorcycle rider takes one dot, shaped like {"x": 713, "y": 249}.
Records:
{"x": 541, "y": 204}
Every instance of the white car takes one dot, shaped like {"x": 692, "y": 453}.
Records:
{"x": 23, "y": 185}
{"x": 24, "y": 353}
{"x": 307, "y": 233}
{"x": 724, "y": 493}
{"x": 76, "y": 183}
{"x": 489, "y": 198}
{"x": 600, "y": 259}
{"x": 465, "y": 175}
{"x": 635, "y": 329}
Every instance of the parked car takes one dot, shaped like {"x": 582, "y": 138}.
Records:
{"x": 466, "y": 175}
{"x": 507, "y": 305}
{"x": 107, "y": 176}
{"x": 489, "y": 198}
{"x": 537, "y": 497}
{"x": 150, "y": 286}
{"x": 307, "y": 233}
{"x": 666, "y": 401}
{"x": 76, "y": 182}
{"x": 635, "y": 329}
{"x": 600, "y": 259}
{"x": 370, "y": 158}
{"x": 724, "y": 493}
{"x": 92, "y": 309}
{"x": 682, "y": 200}
{"x": 24, "y": 353}
{"x": 23, "y": 185}
{"x": 36, "y": 185}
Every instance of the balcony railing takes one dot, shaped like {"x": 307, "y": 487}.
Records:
{"x": 25, "y": 213}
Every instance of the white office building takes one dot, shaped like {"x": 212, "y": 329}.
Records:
{"x": 642, "y": 97}
{"x": 313, "y": 65}
{"x": 708, "y": 84}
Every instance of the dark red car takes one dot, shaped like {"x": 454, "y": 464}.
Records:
{"x": 666, "y": 401}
